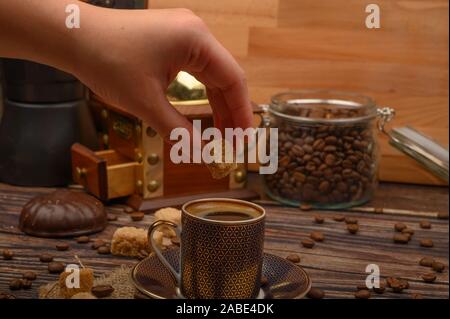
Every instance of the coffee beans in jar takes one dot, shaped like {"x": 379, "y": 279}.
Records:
{"x": 327, "y": 149}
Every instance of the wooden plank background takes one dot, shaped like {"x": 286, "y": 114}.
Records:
{"x": 303, "y": 44}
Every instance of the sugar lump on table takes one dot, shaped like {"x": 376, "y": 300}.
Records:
{"x": 130, "y": 241}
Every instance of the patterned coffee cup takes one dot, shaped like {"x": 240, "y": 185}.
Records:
{"x": 221, "y": 249}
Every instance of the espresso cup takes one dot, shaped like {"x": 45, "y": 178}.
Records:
{"x": 221, "y": 249}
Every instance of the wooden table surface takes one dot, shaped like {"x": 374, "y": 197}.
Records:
{"x": 336, "y": 265}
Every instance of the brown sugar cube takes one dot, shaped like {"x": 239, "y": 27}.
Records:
{"x": 169, "y": 214}
{"x": 65, "y": 281}
{"x": 129, "y": 241}
{"x": 219, "y": 168}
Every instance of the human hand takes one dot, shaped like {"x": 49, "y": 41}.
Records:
{"x": 129, "y": 57}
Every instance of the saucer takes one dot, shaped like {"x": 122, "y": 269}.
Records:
{"x": 285, "y": 279}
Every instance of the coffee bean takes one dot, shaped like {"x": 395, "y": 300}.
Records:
{"x": 425, "y": 224}
{"x": 55, "y": 267}
{"x": 399, "y": 227}
{"x": 264, "y": 281}
{"x": 416, "y": 296}
{"x": 319, "y": 219}
{"x": 4, "y": 296}
{"x": 408, "y": 231}
{"x": 46, "y": 258}
{"x": 104, "y": 250}
{"x": 83, "y": 239}
{"x": 26, "y": 284}
{"x": 307, "y": 243}
{"x": 380, "y": 289}
{"x": 404, "y": 284}
{"x": 401, "y": 238}
{"x": 438, "y": 266}
{"x": 293, "y": 258}
{"x": 426, "y": 243}
{"x": 111, "y": 217}
{"x": 137, "y": 216}
{"x": 352, "y": 228}
{"x": 426, "y": 262}
{"x": 351, "y": 220}
{"x": 102, "y": 291}
{"x": 362, "y": 294}
{"x": 316, "y": 293}
{"x": 396, "y": 286}
{"x": 98, "y": 243}
{"x": 338, "y": 218}
{"x": 362, "y": 287}
{"x": 317, "y": 236}
{"x": 429, "y": 277}
{"x": 29, "y": 275}
{"x": 62, "y": 246}
{"x": 15, "y": 284}
{"x": 305, "y": 207}
{"x": 7, "y": 254}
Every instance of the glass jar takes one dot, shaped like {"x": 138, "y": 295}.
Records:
{"x": 327, "y": 149}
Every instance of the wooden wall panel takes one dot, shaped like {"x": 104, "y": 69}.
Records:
{"x": 303, "y": 44}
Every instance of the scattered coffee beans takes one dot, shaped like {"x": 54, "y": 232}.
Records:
{"x": 83, "y": 239}
{"x": 318, "y": 219}
{"x": 338, "y": 218}
{"x": 438, "y": 266}
{"x": 351, "y": 220}
{"x": 429, "y": 277}
{"x": 325, "y": 164}
{"x": 62, "y": 246}
{"x": 137, "y": 216}
{"x": 399, "y": 227}
{"x": 29, "y": 275}
{"x": 316, "y": 293}
{"x": 426, "y": 243}
{"x": 97, "y": 244}
{"x": 104, "y": 250}
{"x": 102, "y": 291}
{"x": 401, "y": 238}
{"x": 307, "y": 243}
{"x": 15, "y": 284}
{"x": 7, "y": 254}
{"x": 305, "y": 207}
{"x": 317, "y": 236}
{"x": 425, "y": 224}
{"x": 26, "y": 284}
{"x": 426, "y": 262}
{"x": 55, "y": 267}
{"x": 362, "y": 294}
{"x": 352, "y": 228}
{"x": 46, "y": 258}
{"x": 408, "y": 231}
{"x": 380, "y": 289}
{"x": 293, "y": 258}
{"x": 4, "y": 296}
